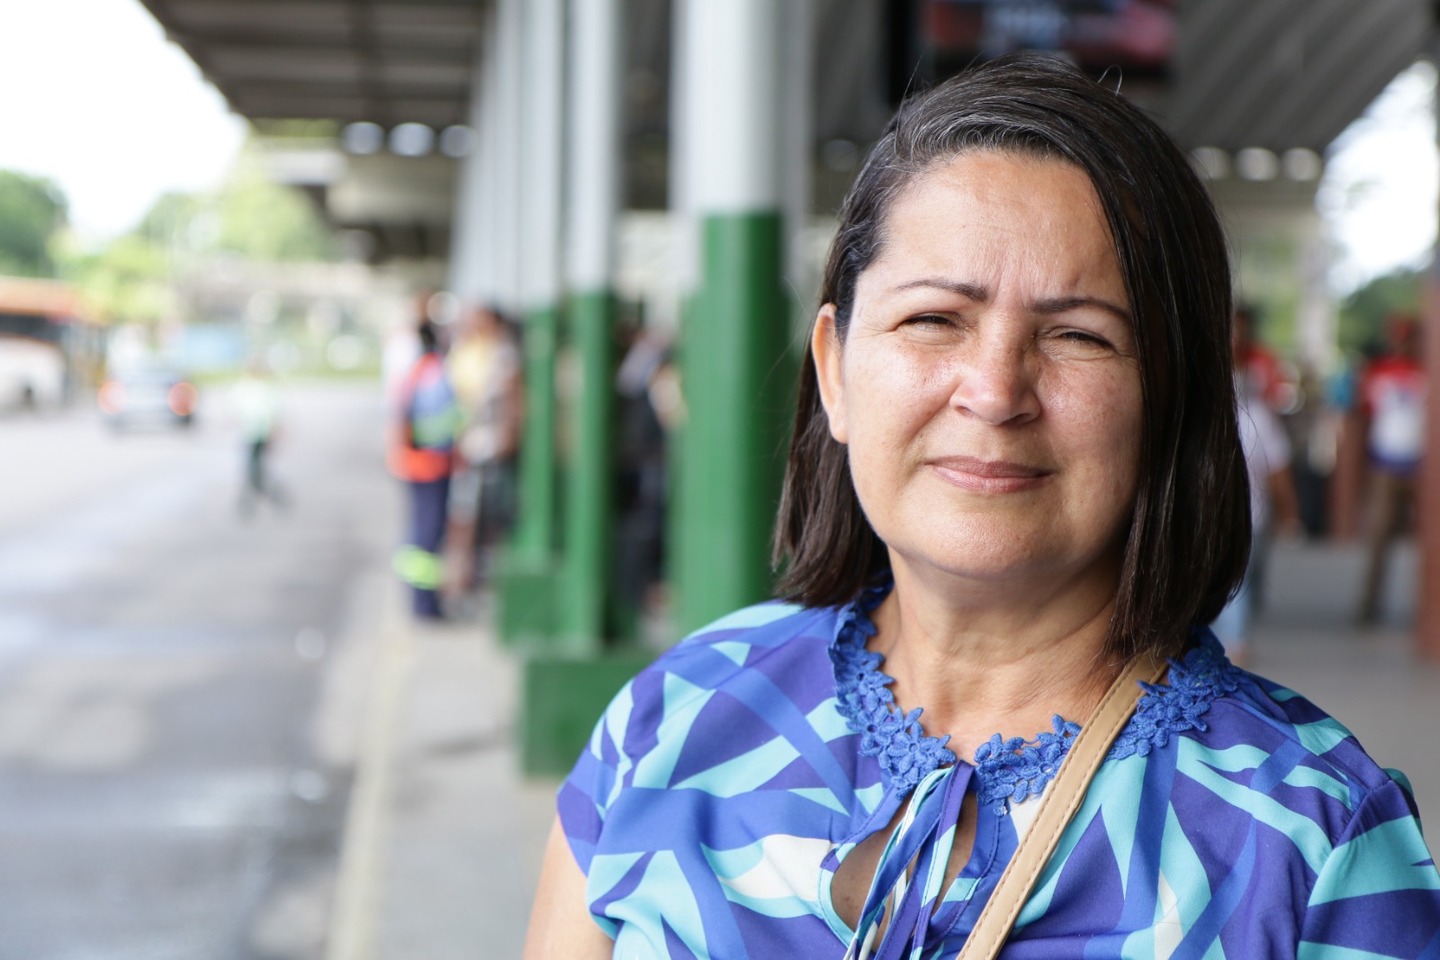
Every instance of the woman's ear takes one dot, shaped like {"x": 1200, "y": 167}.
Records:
{"x": 829, "y": 375}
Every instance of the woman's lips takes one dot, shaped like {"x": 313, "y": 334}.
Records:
{"x": 989, "y": 476}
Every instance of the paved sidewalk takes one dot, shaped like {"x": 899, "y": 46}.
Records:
{"x": 1368, "y": 678}
{"x": 442, "y": 852}
{"x": 445, "y": 840}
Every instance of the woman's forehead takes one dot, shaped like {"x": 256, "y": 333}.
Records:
{"x": 981, "y": 213}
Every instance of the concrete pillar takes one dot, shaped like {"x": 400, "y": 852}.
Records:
{"x": 473, "y": 273}
{"x": 734, "y": 354}
{"x": 570, "y": 680}
{"x": 594, "y": 182}
{"x": 527, "y": 577}
{"x": 503, "y": 151}
{"x": 797, "y": 162}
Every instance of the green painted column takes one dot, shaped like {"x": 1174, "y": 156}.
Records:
{"x": 735, "y": 354}
{"x": 528, "y": 587}
{"x": 593, "y": 182}
{"x": 590, "y": 490}
{"x": 569, "y": 681}
{"x": 535, "y": 529}
{"x": 738, "y": 380}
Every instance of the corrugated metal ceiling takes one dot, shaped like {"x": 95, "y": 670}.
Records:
{"x": 1267, "y": 73}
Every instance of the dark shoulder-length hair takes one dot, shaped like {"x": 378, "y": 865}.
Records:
{"x": 1189, "y": 534}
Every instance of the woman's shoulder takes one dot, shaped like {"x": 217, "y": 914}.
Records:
{"x": 751, "y": 682}
{"x": 765, "y": 653}
{"x": 759, "y": 641}
{"x": 1256, "y": 735}
{"x": 1266, "y": 711}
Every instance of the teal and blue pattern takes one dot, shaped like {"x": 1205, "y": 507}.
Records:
{"x": 1233, "y": 819}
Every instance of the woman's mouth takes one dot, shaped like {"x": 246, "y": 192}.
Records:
{"x": 989, "y": 476}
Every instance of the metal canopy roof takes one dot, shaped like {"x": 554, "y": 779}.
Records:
{"x": 1287, "y": 73}
{"x": 386, "y": 61}
{"x": 1247, "y": 73}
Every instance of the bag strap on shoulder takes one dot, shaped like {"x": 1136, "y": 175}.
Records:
{"x": 1058, "y": 807}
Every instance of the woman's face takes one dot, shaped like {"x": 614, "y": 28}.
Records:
{"x": 988, "y": 388}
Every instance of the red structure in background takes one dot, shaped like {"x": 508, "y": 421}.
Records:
{"x": 1427, "y": 626}
{"x": 1137, "y": 36}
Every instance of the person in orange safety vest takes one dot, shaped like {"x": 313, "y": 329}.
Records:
{"x": 421, "y": 452}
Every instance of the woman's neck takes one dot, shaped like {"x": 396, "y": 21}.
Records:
{"x": 980, "y": 664}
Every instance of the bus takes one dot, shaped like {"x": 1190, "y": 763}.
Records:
{"x": 50, "y": 344}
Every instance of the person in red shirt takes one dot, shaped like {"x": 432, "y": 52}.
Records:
{"x": 1392, "y": 403}
{"x": 1266, "y": 376}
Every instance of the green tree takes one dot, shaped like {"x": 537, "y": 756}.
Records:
{"x": 32, "y": 211}
{"x": 128, "y": 280}
{"x": 254, "y": 218}
{"x": 247, "y": 216}
{"x": 169, "y": 220}
{"x": 1362, "y": 314}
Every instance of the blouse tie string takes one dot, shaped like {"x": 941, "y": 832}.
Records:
{"x": 910, "y": 876}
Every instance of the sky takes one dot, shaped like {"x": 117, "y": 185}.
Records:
{"x": 98, "y": 100}
{"x": 1380, "y": 195}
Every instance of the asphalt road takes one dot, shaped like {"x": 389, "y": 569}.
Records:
{"x": 178, "y": 696}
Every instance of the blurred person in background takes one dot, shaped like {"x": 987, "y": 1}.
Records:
{"x": 1263, "y": 377}
{"x": 402, "y": 347}
{"x": 1391, "y": 392}
{"x": 1266, "y": 375}
{"x": 484, "y": 368}
{"x": 1015, "y": 495}
{"x": 1313, "y": 429}
{"x": 422, "y": 432}
{"x": 1273, "y": 503}
{"x": 643, "y": 459}
{"x": 257, "y": 411}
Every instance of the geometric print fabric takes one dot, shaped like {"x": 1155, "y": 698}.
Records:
{"x": 723, "y": 785}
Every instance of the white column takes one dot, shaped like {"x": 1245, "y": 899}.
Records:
{"x": 797, "y": 151}
{"x": 505, "y": 147}
{"x": 1315, "y": 314}
{"x": 732, "y": 84}
{"x": 734, "y": 350}
{"x": 684, "y": 235}
{"x": 542, "y": 169}
{"x": 593, "y": 200}
{"x": 473, "y": 240}
{"x": 593, "y": 175}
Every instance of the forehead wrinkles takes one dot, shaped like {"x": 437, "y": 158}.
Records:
{"x": 1052, "y": 232}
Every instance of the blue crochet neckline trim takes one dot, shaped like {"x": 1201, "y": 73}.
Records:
{"x": 1008, "y": 769}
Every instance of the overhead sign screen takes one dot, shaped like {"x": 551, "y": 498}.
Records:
{"x": 1137, "y": 36}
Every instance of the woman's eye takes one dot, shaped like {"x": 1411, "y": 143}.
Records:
{"x": 1084, "y": 337}
{"x": 928, "y": 319}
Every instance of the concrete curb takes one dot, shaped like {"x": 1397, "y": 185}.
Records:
{"x": 361, "y": 872}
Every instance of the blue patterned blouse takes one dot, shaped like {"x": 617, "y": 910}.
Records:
{"x": 1233, "y": 819}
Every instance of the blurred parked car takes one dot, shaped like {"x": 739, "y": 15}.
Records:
{"x": 148, "y": 395}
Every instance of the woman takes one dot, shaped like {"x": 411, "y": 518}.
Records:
{"x": 1015, "y": 468}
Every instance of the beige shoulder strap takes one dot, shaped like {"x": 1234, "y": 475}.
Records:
{"x": 1058, "y": 805}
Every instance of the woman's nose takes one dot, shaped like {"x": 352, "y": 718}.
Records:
{"x": 996, "y": 381}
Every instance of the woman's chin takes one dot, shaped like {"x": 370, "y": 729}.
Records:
{"x": 1026, "y": 569}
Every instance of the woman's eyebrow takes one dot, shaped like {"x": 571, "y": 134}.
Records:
{"x": 980, "y": 294}
{"x": 974, "y": 291}
{"x": 1053, "y": 305}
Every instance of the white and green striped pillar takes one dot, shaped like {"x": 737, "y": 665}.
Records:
{"x": 569, "y": 682}
{"x": 528, "y": 574}
{"x": 593, "y": 180}
{"x": 736, "y": 362}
